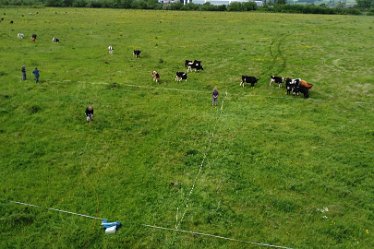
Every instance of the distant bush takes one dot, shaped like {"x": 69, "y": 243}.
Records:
{"x": 221, "y": 8}
{"x": 298, "y": 8}
{"x": 353, "y": 11}
{"x": 175, "y": 6}
{"x": 310, "y": 9}
{"x": 125, "y": 4}
{"x": 79, "y": 3}
{"x": 249, "y": 6}
{"x": 59, "y": 3}
{"x": 138, "y": 4}
{"x": 365, "y": 4}
{"x": 237, "y": 6}
{"x": 95, "y": 4}
{"x": 234, "y": 6}
{"x": 21, "y": 2}
{"x": 190, "y": 6}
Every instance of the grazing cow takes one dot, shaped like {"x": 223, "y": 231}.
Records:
{"x": 110, "y": 49}
{"x": 196, "y": 65}
{"x": 291, "y": 85}
{"x": 306, "y": 84}
{"x": 179, "y": 76}
{"x": 301, "y": 89}
{"x": 188, "y": 63}
{"x": 156, "y": 76}
{"x": 248, "y": 80}
{"x": 33, "y": 37}
{"x": 136, "y": 53}
{"x": 297, "y": 86}
{"x": 54, "y": 39}
{"x": 11, "y": 22}
{"x": 193, "y": 65}
{"x": 276, "y": 79}
{"x": 20, "y": 36}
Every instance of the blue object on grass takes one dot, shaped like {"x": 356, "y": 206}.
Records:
{"x": 105, "y": 224}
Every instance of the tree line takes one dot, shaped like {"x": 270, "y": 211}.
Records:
{"x": 361, "y": 7}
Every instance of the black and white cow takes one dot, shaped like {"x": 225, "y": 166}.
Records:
{"x": 248, "y": 80}
{"x": 188, "y": 63}
{"x": 193, "y": 65}
{"x": 295, "y": 87}
{"x": 277, "y": 80}
{"x": 197, "y": 66}
{"x": 291, "y": 85}
{"x": 33, "y": 37}
{"x": 55, "y": 39}
{"x": 136, "y": 53}
{"x": 179, "y": 76}
{"x": 21, "y": 36}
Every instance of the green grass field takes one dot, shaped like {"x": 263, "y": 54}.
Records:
{"x": 262, "y": 167}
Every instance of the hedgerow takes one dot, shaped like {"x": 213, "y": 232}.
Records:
{"x": 278, "y": 7}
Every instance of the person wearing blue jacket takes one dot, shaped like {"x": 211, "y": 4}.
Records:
{"x": 36, "y": 73}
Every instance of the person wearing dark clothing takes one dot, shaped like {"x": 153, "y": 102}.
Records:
{"x": 89, "y": 113}
{"x": 215, "y": 97}
{"x": 36, "y": 73}
{"x": 23, "y": 70}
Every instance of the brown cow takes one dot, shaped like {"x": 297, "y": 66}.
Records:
{"x": 306, "y": 84}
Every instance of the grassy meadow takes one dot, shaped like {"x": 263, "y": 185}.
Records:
{"x": 261, "y": 167}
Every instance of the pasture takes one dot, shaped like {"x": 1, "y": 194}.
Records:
{"x": 261, "y": 167}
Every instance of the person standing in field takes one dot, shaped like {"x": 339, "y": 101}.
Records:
{"x": 215, "y": 97}
{"x": 23, "y": 70}
{"x": 89, "y": 113}
{"x": 36, "y": 73}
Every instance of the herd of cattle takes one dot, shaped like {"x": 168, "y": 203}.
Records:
{"x": 293, "y": 86}
{"x": 33, "y": 37}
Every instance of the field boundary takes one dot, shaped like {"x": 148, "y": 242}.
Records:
{"x": 217, "y": 237}
{"x": 155, "y": 227}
